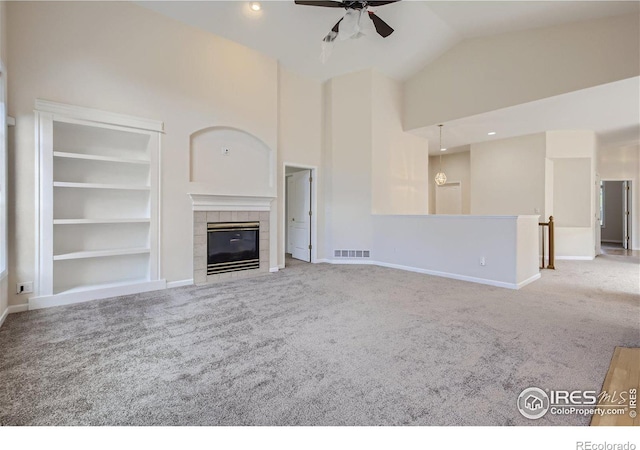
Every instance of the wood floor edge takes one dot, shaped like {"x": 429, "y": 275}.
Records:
{"x": 623, "y": 376}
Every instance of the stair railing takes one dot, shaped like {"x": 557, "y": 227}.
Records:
{"x": 549, "y": 228}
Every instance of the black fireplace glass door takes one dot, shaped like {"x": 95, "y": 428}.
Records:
{"x": 232, "y": 245}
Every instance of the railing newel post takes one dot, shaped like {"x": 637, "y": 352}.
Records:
{"x": 552, "y": 252}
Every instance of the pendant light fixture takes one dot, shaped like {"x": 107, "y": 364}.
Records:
{"x": 441, "y": 178}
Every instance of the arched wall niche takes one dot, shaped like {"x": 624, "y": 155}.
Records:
{"x": 230, "y": 161}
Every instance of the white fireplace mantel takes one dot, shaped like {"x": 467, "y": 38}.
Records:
{"x": 214, "y": 202}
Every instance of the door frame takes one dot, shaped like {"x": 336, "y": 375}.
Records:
{"x": 632, "y": 182}
{"x": 314, "y": 209}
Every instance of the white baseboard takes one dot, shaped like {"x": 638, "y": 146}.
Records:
{"x": 18, "y": 308}
{"x": 274, "y": 269}
{"x": 436, "y": 273}
{"x": 575, "y": 258}
{"x": 88, "y": 295}
{"x": 453, "y": 276}
{"x": 11, "y": 310}
{"x": 529, "y": 280}
{"x": 179, "y": 283}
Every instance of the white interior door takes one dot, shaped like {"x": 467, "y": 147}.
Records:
{"x": 299, "y": 215}
{"x": 449, "y": 199}
{"x": 289, "y": 227}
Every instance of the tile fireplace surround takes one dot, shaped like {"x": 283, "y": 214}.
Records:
{"x": 217, "y": 208}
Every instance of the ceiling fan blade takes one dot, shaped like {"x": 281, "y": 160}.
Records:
{"x": 324, "y": 3}
{"x": 382, "y": 27}
{"x": 335, "y": 27}
{"x": 381, "y": 2}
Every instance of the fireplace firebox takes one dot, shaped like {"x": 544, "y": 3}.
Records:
{"x": 232, "y": 246}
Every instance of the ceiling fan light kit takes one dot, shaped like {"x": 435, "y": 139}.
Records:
{"x": 355, "y": 24}
{"x": 358, "y": 21}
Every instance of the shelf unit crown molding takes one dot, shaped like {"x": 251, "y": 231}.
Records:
{"x": 96, "y": 115}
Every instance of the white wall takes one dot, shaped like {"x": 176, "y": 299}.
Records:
{"x": 488, "y": 73}
{"x": 300, "y": 142}
{"x": 508, "y": 176}
{"x": 574, "y": 190}
{"x": 452, "y": 246}
{"x": 119, "y": 57}
{"x": 527, "y": 248}
{"x": 623, "y": 163}
{"x": 400, "y": 161}
{"x": 370, "y": 163}
{"x": 549, "y": 173}
{"x": 548, "y": 190}
{"x": 457, "y": 167}
{"x": 248, "y": 168}
{"x": 348, "y": 159}
{"x": 4, "y": 294}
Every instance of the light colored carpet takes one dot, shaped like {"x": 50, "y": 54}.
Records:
{"x": 320, "y": 345}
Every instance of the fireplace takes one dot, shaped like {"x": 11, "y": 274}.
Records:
{"x": 230, "y": 214}
{"x": 232, "y": 246}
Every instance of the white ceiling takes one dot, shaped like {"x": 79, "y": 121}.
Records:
{"x": 482, "y": 18}
{"x": 292, "y": 34}
{"x": 611, "y": 110}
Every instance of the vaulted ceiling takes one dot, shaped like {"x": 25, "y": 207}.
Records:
{"x": 423, "y": 30}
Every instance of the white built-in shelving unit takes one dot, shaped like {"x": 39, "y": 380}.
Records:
{"x": 98, "y": 198}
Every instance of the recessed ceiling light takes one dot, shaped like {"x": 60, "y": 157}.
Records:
{"x": 255, "y": 6}
{"x": 443, "y": 149}
{"x": 491, "y": 133}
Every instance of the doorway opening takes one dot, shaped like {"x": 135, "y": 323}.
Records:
{"x": 449, "y": 198}
{"x": 300, "y": 222}
{"x": 615, "y": 216}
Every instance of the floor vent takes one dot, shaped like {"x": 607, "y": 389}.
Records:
{"x": 351, "y": 253}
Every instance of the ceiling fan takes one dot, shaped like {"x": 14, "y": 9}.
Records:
{"x": 357, "y": 21}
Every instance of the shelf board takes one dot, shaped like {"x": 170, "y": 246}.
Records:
{"x": 71, "y": 155}
{"x": 100, "y": 253}
{"x": 123, "y": 187}
{"x": 97, "y": 221}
